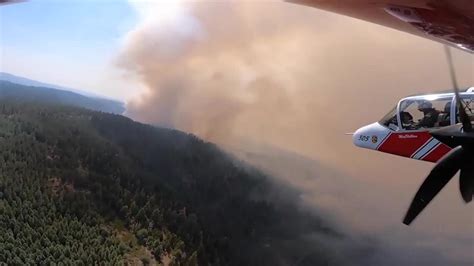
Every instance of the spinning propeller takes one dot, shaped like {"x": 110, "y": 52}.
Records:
{"x": 461, "y": 138}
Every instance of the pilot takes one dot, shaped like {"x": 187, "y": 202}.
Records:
{"x": 445, "y": 117}
{"x": 430, "y": 115}
{"x": 407, "y": 121}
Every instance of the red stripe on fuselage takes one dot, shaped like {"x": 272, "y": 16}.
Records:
{"x": 404, "y": 144}
{"x": 437, "y": 153}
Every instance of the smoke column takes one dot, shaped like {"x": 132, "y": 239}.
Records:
{"x": 297, "y": 78}
{"x": 274, "y": 71}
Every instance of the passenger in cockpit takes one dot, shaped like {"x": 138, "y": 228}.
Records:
{"x": 430, "y": 115}
{"x": 407, "y": 121}
{"x": 445, "y": 117}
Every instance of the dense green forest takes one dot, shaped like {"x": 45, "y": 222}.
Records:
{"x": 82, "y": 187}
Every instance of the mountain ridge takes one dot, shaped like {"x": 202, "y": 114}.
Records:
{"x": 34, "y": 83}
{"x": 25, "y": 93}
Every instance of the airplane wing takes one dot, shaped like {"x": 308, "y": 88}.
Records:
{"x": 447, "y": 21}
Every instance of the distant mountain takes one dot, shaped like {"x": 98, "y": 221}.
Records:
{"x": 34, "y": 83}
{"x": 9, "y": 90}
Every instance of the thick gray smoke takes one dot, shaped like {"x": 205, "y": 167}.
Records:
{"x": 277, "y": 72}
{"x": 298, "y": 78}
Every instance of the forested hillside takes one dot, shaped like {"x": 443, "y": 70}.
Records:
{"x": 10, "y": 91}
{"x": 82, "y": 187}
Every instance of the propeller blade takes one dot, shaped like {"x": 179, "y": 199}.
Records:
{"x": 453, "y": 136}
{"x": 466, "y": 180}
{"x": 466, "y": 122}
{"x": 446, "y": 168}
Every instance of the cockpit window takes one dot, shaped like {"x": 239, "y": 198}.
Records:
{"x": 425, "y": 113}
{"x": 390, "y": 120}
{"x": 468, "y": 102}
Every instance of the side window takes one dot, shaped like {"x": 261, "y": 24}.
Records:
{"x": 409, "y": 114}
{"x": 422, "y": 113}
{"x": 468, "y": 101}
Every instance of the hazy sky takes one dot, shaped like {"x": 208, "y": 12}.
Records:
{"x": 261, "y": 71}
{"x": 71, "y": 43}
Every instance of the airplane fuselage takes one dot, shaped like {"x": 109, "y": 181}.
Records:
{"x": 403, "y": 133}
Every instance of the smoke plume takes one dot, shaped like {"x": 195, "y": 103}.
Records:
{"x": 274, "y": 71}
{"x": 297, "y": 78}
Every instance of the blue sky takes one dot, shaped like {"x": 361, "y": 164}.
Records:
{"x": 70, "y": 43}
